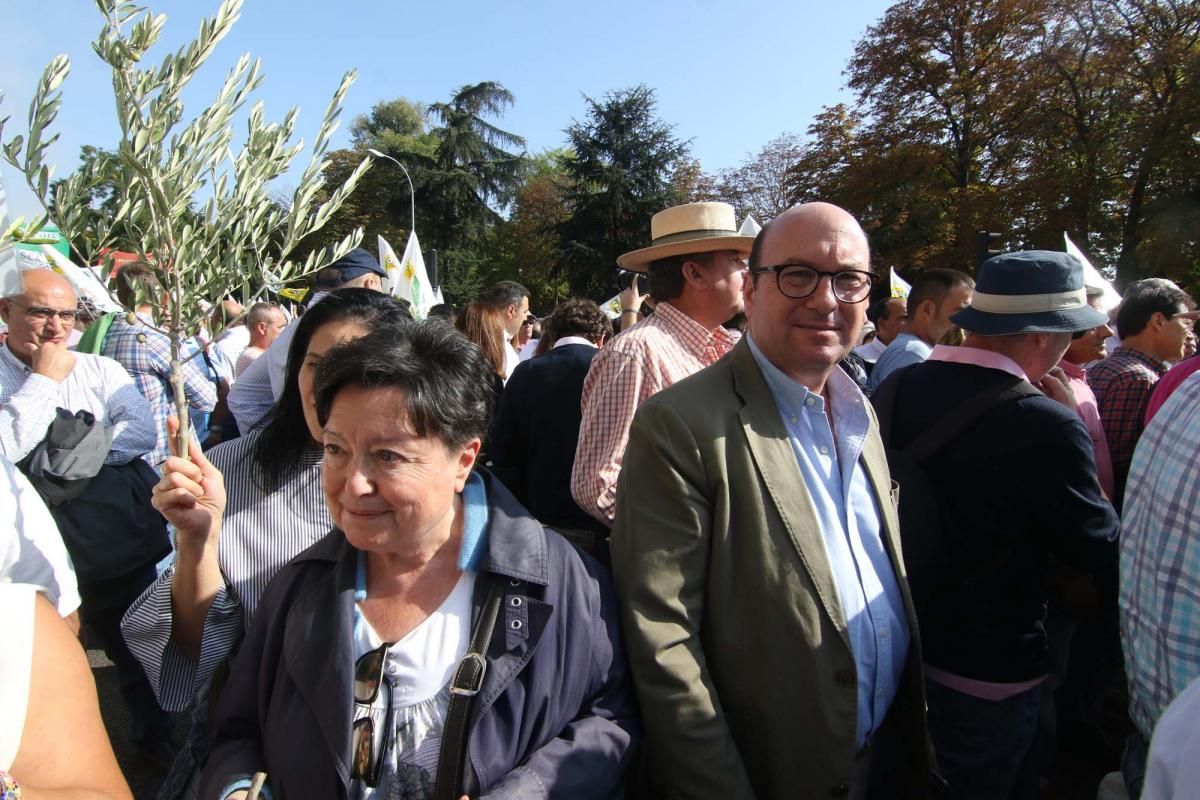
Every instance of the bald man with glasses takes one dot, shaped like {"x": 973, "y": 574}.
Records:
{"x": 757, "y": 556}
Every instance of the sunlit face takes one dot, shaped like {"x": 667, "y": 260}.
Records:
{"x": 812, "y": 334}
{"x": 327, "y": 337}
{"x": 30, "y": 325}
{"x": 954, "y": 302}
{"x": 889, "y": 327}
{"x": 1090, "y": 346}
{"x": 275, "y": 327}
{"x": 1174, "y": 333}
{"x": 386, "y": 487}
{"x": 726, "y": 274}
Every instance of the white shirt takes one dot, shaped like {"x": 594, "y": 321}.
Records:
{"x": 566, "y": 340}
{"x": 419, "y": 668}
{"x": 529, "y": 349}
{"x": 872, "y": 350}
{"x": 16, "y": 665}
{"x": 31, "y": 548}
{"x": 225, "y": 350}
{"x": 1173, "y": 766}
{"x": 511, "y": 359}
{"x": 28, "y": 403}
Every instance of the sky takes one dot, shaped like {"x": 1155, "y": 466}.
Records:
{"x": 729, "y": 77}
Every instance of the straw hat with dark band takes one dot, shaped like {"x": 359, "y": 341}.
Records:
{"x": 686, "y": 229}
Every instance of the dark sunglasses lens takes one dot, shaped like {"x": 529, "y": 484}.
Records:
{"x": 362, "y": 749}
{"x": 368, "y": 673}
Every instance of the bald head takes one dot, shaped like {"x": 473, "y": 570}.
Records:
{"x": 46, "y": 283}
{"x": 35, "y": 316}
{"x": 807, "y": 217}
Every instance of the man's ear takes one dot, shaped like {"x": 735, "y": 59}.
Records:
{"x": 1157, "y": 320}
{"x": 693, "y": 273}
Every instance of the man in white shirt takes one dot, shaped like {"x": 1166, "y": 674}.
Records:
{"x": 31, "y": 550}
{"x": 888, "y": 316}
{"x": 513, "y": 299}
{"x": 38, "y": 376}
{"x": 265, "y": 321}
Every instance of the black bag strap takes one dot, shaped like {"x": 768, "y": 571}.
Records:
{"x": 956, "y": 422}
{"x": 467, "y": 681}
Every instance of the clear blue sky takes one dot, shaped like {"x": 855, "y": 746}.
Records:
{"x": 729, "y": 76}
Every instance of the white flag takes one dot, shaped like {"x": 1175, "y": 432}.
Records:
{"x": 900, "y": 287}
{"x": 84, "y": 281}
{"x": 407, "y": 276}
{"x": 750, "y": 227}
{"x": 612, "y": 307}
{"x": 1092, "y": 277}
{"x": 10, "y": 275}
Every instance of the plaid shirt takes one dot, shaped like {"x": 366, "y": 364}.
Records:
{"x": 662, "y": 349}
{"x": 149, "y": 363}
{"x": 1160, "y": 559}
{"x": 1122, "y": 384}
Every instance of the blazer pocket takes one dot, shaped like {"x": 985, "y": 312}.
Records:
{"x": 894, "y": 493}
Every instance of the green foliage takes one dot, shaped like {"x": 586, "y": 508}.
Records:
{"x": 620, "y": 175}
{"x": 239, "y": 237}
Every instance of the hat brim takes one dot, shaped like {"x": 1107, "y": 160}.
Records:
{"x": 640, "y": 260}
{"x": 987, "y": 323}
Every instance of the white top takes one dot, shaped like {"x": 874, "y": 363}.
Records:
{"x": 248, "y": 357}
{"x": 16, "y": 663}
{"x": 225, "y": 350}
{"x": 871, "y": 351}
{"x": 1173, "y": 765}
{"x": 419, "y": 667}
{"x": 529, "y": 349}
{"x": 511, "y": 359}
{"x": 31, "y": 549}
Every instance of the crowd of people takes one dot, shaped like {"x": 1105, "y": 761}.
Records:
{"x": 768, "y": 535}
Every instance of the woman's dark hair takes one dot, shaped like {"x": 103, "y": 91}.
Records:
{"x": 444, "y": 377}
{"x": 278, "y": 451}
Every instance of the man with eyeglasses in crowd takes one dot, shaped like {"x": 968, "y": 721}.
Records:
{"x": 756, "y": 551}
{"x": 695, "y": 262}
{"x": 39, "y": 376}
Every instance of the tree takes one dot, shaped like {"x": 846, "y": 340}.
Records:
{"x": 240, "y": 238}
{"x": 620, "y": 173}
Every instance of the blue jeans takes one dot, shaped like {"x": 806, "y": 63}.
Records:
{"x": 985, "y": 748}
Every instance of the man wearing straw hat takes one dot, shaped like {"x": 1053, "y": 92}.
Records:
{"x": 695, "y": 262}
{"x": 1014, "y": 487}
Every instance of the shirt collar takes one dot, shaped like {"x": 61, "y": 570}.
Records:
{"x": 572, "y": 340}
{"x": 691, "y": 333}
{"x": 846, "y": 398}
{"x": 11, "y": 358}
{"x": 1137, "y": 355}
{"x": 1073, "y": 370}
{"x": 977, "y": 357}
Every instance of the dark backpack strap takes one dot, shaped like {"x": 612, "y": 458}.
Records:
{"x": 467, "y": 681}
{"x": 965, "y": 414}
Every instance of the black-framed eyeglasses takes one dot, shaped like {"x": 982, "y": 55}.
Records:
{"x": 798, "y": 281}
{"x": 43, "y": 314}
{"x": 368, "y": 741}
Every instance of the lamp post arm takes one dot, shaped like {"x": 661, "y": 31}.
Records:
{"x": 412, "y": 194}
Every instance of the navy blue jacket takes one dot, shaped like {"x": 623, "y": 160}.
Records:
{"x": 556, "y": 717}
{"x": 537, "y": 428}
{"x": 1017, "y": 488}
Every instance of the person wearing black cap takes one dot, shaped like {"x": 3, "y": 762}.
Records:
{"x": 257, "y": 389}
{"x": 1013, "y": 485}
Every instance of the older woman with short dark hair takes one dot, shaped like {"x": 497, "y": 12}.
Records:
{"x": 439, "y": 642}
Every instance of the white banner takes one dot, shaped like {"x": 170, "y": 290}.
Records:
{"x": 900, "y": 287}
{"x": 84, "y": 281}
{"x": 1092, "y": 277}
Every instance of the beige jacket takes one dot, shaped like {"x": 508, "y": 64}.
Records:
{"x": 735, "y": 632}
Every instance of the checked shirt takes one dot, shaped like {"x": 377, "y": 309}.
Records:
{"x": 1122, "y": 384}
{"x": 662, "y": 349}
{"x": 1160, "y": 559}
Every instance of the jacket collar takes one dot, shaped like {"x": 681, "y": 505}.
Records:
{"x": 516, "y": 543}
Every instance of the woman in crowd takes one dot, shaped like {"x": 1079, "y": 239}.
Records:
{"x": 52, "y": 741}
{"x": 183, "y": 627}
{"x": 433, "y": 576}
{"x": 484, "y": 325}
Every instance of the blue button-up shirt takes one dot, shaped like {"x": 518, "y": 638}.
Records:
{"x": 851, "y": 528}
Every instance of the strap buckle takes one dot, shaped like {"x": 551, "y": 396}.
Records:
{"x": 469, "y": 691}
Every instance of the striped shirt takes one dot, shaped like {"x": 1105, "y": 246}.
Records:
{"x": 259, "y": 534}
{"x": 1160, "y": 559}
{"x": 662, "y": 349}
{"x": 96, "y": 384}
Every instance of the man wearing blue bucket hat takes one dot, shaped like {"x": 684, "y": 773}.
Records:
{"x": 1002, "y": 455}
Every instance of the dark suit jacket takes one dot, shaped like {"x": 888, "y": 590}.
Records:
{"x": 537, "y": 427}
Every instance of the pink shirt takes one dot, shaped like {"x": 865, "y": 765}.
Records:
{"x": 978, "y": 357}
{"x": 1170, "y": 382}
{"x": 1089, "y": 412}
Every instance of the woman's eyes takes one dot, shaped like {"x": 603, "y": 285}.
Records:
{"x": 385, "y": 456}
{"x": 332, "y": 450}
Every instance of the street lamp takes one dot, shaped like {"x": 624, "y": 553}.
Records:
{"x": 412, "y": 195}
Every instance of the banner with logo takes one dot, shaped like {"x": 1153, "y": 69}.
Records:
{"x": 406, "y": 276}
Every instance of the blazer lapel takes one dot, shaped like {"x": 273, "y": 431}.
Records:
{"x": 775, "y": 460}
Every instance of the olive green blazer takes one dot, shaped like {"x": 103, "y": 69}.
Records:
{"x": 735, "y": 632}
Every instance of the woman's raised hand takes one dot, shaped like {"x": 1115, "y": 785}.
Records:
{"x": 191, "y": 494}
